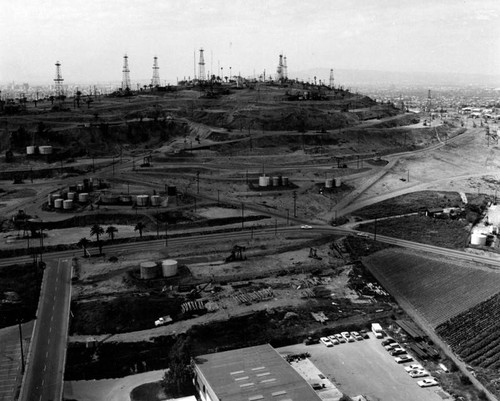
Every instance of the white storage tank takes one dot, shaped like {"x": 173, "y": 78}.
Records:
{"x": 478, "y": 239}
{"x": 71, "y": 195}
{"x": 45, "y": 150}
{"x": 276, "y": 181}
{"x": 155, "y": 200}
{"x": 169, "y": 267}
{"x": 338, "y": 182}
{"x": 329, "y": 183}
{"x": 55, "y": 196}
{"x": 149, "y": 270}
{"x": 68, "y": 204}
{"x": 83, "y": 197}
{"x": 30, "y": 150}
{"x": 264, "y": 181}
{"x": 58, "y": 203}
{"x": 142, "y": 200}
{"x": 80, "y": 187}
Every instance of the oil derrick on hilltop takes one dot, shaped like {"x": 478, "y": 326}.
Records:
{"x": 331, "y": 78}
{"x": 59, "y": 90}
{"x": 280, "y": 70}
{"x": 285, "y": 68}
{"x": 201, "y": 65}
{"x": 155, "y": 81}
{"x": 126, "y": 74}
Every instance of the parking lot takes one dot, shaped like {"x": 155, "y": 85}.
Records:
{"x": 365, "y": 367}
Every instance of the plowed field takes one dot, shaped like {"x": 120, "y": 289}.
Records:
{"x": 438, "y": 288}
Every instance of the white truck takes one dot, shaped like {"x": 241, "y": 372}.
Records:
{"x": 163, "y": 320}
{"x": 377, "y": 330}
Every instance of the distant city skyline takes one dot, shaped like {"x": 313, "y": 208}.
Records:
{"x": 90, "y": 37}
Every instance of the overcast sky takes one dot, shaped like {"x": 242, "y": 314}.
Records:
{"x": 90, "y": 37}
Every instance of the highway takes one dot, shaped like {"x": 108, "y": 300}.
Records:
{"x": 44, "y": 377}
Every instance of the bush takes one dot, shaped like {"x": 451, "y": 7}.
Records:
{"x": 465, "y": 380}
{"x": 482, "y": 395}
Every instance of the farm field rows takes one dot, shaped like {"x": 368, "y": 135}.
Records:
{"x": 439, "y": 289}
{"x": 474, "y": 334}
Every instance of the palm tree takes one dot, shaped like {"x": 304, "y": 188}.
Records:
{"x": 84, "y": 243}
{"x": 97, "y": 230}
{"x": 139, "y": 227}
{"x": 111, "y": 230}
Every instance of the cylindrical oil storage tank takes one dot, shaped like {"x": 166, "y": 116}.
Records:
{"x": 109, "y": 199}
{"x": 276, "y": 181}
{"x": 71, "y": 195}
{"x": 264, "y": 181}
{"x": 68, "y": 204}
{"x": 338, "y": 182}
{"x": 169, "y": 267}
{"x": 171, "y": 190}
{"x": 285, "y": 181}
{"x": 45, "y": 150}
{"x": 155, "y": 200}
{"x": 83, "y": 197}
{"x": 149, "y": 270}
{"x": 329, "y": 183}
{"x": 478, "y": 238}
{"x": 55, "y": 196}
{"x": 58, "y": 203}
{"x": 80, "y": 187}
{"x": 125, "y": 198}
{"x": 30, "y": 150}
{"x": 142, "y": 200}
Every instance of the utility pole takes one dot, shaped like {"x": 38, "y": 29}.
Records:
{"x": 195, "y": 204}
{"x": 242, "y": 215}
{"x": 375, "y": 231}
{"x": 197, "y": 182}
{"x": 294, "y": 203}
{"x": 287, "y": 217}
{"x": 166, "y": 234}
{"x": 21, "y": 343}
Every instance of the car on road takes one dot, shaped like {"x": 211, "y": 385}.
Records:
{"x": 360, "y": 234}
{"x": 403, "y": 358}
{"x": 326, "y": 341}
{"x": 347, "y": 337}
{"x": 428, "y": 382}
{"x": 334, "y": 340}
{"x": 340, "y": 338}
{"x": 305, "y": 227}
{"x": 163, "y": 320}
{"x": 356, "y": 336}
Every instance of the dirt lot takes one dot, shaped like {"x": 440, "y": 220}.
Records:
{"x": 364, "y": 367}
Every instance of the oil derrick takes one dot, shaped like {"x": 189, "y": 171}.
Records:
{"x": 429, "y": 102}
{"x": 201, "y": 66}
{"x": 285, "y": 68}
{"x": 279, "y": 70}
{"x": 155, "y": 81}
{"x": 58, "y": 81}
{"x": 126, "y": 74}
{"x": 331, "y": 78}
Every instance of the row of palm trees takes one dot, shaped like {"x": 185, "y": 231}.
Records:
{"x": 97, "y": 230}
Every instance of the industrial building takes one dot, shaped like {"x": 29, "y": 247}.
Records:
{"x": 249, "y": 374}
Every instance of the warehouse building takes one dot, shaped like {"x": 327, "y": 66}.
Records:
{"x": 249, "y": 374}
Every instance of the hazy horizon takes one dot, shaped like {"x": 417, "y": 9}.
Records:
{"x": 90, "y": 37}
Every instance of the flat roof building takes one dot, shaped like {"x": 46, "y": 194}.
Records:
{"x": 250, "y": 374}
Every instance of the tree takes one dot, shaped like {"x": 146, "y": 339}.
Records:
{"x": 84, "y": 243}
{"x": 111, "y": 230}
{"x": 177, "y": 380}
{"x": 139, "y": 227}
{"x": 97, "y": 230}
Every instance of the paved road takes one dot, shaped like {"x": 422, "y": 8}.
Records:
{"x": 43, "y": 380}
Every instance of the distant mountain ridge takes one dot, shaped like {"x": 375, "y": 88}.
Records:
{"x": 356, "y": 78}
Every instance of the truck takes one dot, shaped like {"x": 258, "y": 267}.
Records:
{"x": 377, "y": 330}
{"x": 163, "y": 320}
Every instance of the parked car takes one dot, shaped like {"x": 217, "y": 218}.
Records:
{"x": 391, "y": 346}
{"x": 365, "y": 334}
{"x": 310, "y": 341}
{"x": 163, "y": 320}
{"x": 340, "y": 338}
{"x": 418, "y": 373}
{"x": 356, "y": 336}
{"x": 397, "y": 351}
{"x": 333, "y": 340}
{"x": 403, "y": 359}
{"x": 347, "y": 336}
{"x": 414, "y": 366}
{"x": 428, "y": 382}
{"x": 326, "y": 341}
{"x": 306, "y": 227}
{"x": 388, "y": 341}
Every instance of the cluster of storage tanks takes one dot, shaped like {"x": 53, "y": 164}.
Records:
{"x": 76, "y": 193}
{"x": 276, "y": 181}
{"x": 480, "y": 237}
{"x": 333, "y": 182}
{"x": 42, "y": 150}
{"x": 150, "y": 270}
